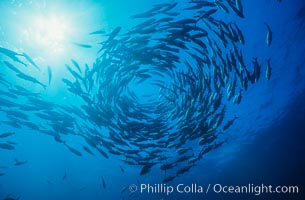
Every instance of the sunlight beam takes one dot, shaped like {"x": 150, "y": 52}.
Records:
{"x": 50, "y": 32}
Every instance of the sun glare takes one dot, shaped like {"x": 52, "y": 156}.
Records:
{"x": 56, "y": 31}
{"x": 50, "y": 33}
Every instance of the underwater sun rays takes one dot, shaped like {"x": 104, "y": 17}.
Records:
{"x": 48, "y": 32}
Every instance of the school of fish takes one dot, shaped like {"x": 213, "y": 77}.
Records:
{"x": 195, "y": 62}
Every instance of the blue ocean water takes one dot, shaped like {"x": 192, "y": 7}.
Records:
{"x": 265, "y": 145}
